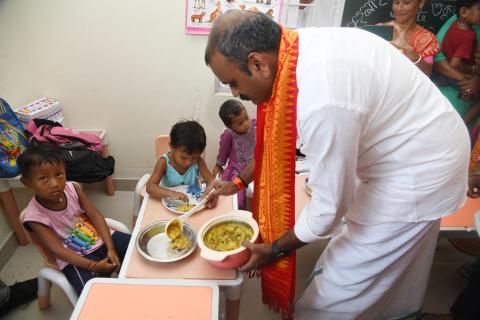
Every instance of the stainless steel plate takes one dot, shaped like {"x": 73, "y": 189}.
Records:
{"x": 154, "y": 245}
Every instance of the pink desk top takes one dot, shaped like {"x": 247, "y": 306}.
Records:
{"x": 462, "y": 218}
{"x": 192, "y": 267}
{"x": 140, "y": 301}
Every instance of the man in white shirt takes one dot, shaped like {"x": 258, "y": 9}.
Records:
{"x": 387, "y": 152}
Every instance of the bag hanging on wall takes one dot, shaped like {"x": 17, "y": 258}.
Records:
{"x": 12, "y": 141}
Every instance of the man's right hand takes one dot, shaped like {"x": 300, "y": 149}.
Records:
{"x": 222, "y": 188}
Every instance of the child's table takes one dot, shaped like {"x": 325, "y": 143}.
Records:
{"x": 106, "y": 298}
{"x": 192, "y": 267}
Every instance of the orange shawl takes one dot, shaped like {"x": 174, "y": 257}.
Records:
{"x": 274, "y": 197}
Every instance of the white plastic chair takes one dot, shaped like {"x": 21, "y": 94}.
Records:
{"x": 51, "y": 272}
{"x": 162, "y": 145}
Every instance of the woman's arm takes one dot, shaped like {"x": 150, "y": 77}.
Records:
{"x": 153, "y": 184}
{"x": 48, "y": 240}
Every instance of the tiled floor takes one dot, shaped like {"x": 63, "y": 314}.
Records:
{"x": 444, "y": 284}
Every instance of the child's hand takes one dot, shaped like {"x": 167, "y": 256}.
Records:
{"x": 104, "y": 266}
{"x": 179, "y": 196}
{"x": 114, "y": 259}
{"x": 217, "y": 170}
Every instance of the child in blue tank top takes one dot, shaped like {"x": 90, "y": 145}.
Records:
{"x": 181, "y": 165}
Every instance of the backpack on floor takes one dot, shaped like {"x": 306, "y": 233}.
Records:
{"x": 12, "y": 141}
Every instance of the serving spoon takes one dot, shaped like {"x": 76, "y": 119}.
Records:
{"x": 174, "y": 227}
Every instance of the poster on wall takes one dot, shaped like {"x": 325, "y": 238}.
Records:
{"x": 201, "y": 14}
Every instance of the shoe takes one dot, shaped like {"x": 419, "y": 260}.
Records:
{"x": 20, "y": 293}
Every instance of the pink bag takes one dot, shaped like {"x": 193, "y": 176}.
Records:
{"x": 63, "y": 137}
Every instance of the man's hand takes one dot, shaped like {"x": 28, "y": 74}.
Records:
{"x": 222, "y": 188}
{"x": 261, "y": 255}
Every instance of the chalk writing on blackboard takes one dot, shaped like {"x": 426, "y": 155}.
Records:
{"x": 432, "y": 16}
{"x": 366, "y": 10}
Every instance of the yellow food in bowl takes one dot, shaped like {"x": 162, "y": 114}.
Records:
{"x": 180, "y": 243}
{"x": 227, "y": 236}
{"x": 184, "y": 207}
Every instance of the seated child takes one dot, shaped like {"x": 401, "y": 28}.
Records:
{"x": 237, "y": 143}
{"x": 459, "y": 46}
{"x": 66, "y": 222}
{"x": 181, "y": 165}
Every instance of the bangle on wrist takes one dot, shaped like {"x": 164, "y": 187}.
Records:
{"x": 238, "y": 182}
{"x": 243, "y": 181}
{"x": 419, "y": 59}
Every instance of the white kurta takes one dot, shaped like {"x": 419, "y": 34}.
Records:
{"x": 385, "y": 149}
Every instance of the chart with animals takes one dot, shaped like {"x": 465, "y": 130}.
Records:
{"x": 201, "y": 14}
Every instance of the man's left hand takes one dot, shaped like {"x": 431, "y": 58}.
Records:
{"x": 261, "y": 255}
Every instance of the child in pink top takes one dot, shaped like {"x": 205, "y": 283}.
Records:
{"x": 237, "y": 143}
{"x": 66, "y": 222}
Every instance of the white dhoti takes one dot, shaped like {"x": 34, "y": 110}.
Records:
{"x": 371, "y": 272}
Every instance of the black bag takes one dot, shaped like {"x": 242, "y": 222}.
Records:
{"x": 84, "y": 165}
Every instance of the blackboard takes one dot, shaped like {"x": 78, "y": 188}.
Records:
{"x": 363, "y": 12}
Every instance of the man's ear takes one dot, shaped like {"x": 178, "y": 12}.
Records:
{"x": 463, "y": 12}
{"x": 258, "y": 63}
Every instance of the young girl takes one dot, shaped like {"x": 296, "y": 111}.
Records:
{"x": 66, "y": 222}
{"x": 181, "y": 165}
{"x": 237, "y": 143}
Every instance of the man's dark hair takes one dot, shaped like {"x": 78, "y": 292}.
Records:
{"x": 188, "y": 134}
{"x": 38, "y": 155}
{"x": 464, "y": 3}
{"x": 238, "y": 33}
{"x": 229, "y": 109}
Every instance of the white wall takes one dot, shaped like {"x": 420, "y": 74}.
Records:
{"x": 126, "y": 66}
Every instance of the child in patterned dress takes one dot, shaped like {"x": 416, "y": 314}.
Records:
{"x": 65, "y": 222}
{"x": 237, "y": 143}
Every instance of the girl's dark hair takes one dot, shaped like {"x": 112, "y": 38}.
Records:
{"x": 229, "y": 109}
{"x": 464, "y": 3}
{"x": 188, "y": 134}
{"x": 36, "y": 156}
